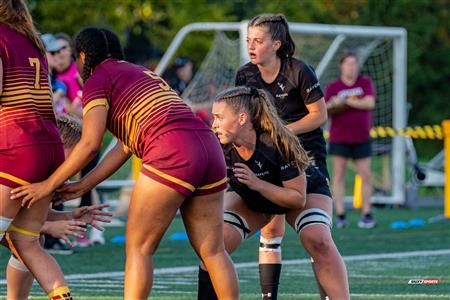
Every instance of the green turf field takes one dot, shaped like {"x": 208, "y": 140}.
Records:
{"x": 380, "y": 263}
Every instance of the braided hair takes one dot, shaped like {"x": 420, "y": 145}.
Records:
{"x": 257, "y": 103}
{"x": 69, "y": 130}
{"x": 97, "y": 44}
{"x": 278, "y": 28}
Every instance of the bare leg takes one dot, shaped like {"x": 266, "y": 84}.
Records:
{"x": 153, "y": 206}
{"x": 19, "y": 283}
{"x": 363, "y": 169}
{"x": 329, "y": 266}
{"x": 338, "y": 182}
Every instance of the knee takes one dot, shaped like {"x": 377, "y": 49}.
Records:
{"x": 366, "y": 176}
{"x": 146, "y": 248}
{"x": 272, "y": 231}
{"x": 319, "y": 245}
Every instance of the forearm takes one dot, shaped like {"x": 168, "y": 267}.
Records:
{"x": 115, "y": 158}
{"x": 308, "y": 123}
{"x": 366, "y": 103}
{"x": 282, "y": 196}
{"x": 54, "y": 215}
{"x": 81, "y": 155}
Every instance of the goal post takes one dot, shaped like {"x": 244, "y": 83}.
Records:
{"x": 381, "y": 52}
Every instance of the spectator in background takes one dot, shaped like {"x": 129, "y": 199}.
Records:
{"x": 66, "y": 72}
{"x": 350, "y": 101}
{"x": 183, "y": 68}
{"x": 59, "y": 89}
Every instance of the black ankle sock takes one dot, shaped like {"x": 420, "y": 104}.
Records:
{"x": 205, "y": 287}
{"x": 269, "y": 278}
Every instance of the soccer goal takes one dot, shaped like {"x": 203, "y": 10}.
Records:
{"x": 381, "y": 53}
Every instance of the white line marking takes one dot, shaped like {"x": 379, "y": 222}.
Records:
{"x": 189, "y": 269}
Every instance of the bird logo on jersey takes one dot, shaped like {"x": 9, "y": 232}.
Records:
{"x": 282, "y": 86}
{"x": 259, "y": 164}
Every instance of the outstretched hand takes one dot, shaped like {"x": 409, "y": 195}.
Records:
{"x": 63, "y": 228}
{"x": 93, "y": 214}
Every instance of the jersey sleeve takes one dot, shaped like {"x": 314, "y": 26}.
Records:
{"x": 329, "y": 92}
{"x": 96, "y": 90}
{"x": 368, "y": 87}
{"x": 309, "y": 85}
{"x": 240, "y": 79}
{"x": 288, "y": 170}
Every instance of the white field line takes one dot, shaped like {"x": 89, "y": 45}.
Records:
{"x": 189, "y": 269}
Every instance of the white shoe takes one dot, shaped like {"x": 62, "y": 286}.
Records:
{"x": 96, "y": 236}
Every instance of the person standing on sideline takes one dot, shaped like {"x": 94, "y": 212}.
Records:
{"x": 350, "y": 101}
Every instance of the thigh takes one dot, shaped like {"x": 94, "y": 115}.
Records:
{"x": 319, "y": 201}
{"x": 255, "y": 220}
{"x": 31, "y": 219}
{"x": 8, "y": 208}
{"x": 152, "y": 207}
{"x": 203, "y": 219}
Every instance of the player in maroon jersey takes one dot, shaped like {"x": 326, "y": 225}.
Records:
{"x": 30, "y": 146}
{"x": 183, "y": 164}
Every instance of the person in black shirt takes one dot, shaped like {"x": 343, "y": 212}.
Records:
{"x": 299, "y": 101}
{"x": 267, "y": 170}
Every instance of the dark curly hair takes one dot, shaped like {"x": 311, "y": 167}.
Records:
{"x": 97, "y": 44}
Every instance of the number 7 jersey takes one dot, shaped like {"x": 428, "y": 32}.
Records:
{"x": 26, "y": 110}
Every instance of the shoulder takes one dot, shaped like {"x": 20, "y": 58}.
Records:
{"x": 334, "y": 83}
{"x": 364, "y": 79}
{"x": 296, "y": 65}
{"x": 248, "y": 70}
{"x": 266, "y": 145}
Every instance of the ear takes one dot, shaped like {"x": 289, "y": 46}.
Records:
{"x": 276, "y": 45}
{"x": 243, "y": 117}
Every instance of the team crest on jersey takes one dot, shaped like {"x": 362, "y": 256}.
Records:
{"x": 259, "y": 164}
{"x": 282, "y": 86}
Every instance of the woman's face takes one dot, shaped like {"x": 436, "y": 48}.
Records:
{"x": 350, "y": 67}
{"x": 226, "y": 122}
{"x": 260, "y": 46}
{"x": 64, "y": 55}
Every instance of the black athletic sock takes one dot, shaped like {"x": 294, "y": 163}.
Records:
{"x": 205, "y": 287}
{"x": 269, "y": 278}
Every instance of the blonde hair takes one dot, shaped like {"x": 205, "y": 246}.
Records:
{"x": 69, "y": 130}
{"x": 258, "y": 105}
{"x": 15, "y": 14}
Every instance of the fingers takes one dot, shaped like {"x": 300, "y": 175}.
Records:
{"x": 18, "y": 192}
{"x": 97, "y": 226}
{"x": 67, "y": 240}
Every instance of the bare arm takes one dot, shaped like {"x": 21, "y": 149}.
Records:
{"x": 116, "y": 157}
{"x": 315, "y": 118}
{"x": 365, "y": 103}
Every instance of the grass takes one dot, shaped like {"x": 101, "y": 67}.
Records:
{"x": 371, "y": 278}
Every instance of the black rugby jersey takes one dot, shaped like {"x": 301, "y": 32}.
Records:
{"x": 295, "y": 86}
{"x": 268, "y": 165}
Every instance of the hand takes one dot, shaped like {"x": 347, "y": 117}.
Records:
{"x": 246, "y": 176}
{"x": 92, "y": 214}
{"x": 32, "y": 193}
{"x": 62, "y": 229}
{"x": 70, "y": 191}
{"x": 337, "y": 105}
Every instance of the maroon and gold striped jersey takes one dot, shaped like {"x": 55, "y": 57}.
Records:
{"x": 26, "y": 110}
{"x": 141, "y": 105}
